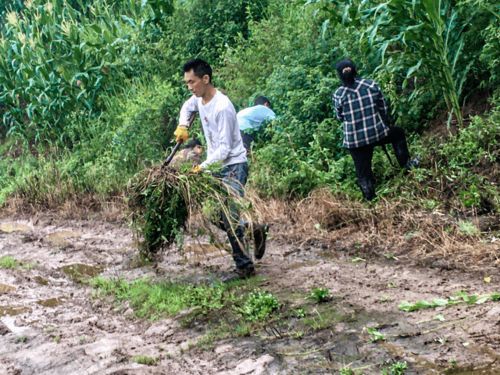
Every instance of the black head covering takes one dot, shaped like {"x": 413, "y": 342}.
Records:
{"x": 346, "y": 75}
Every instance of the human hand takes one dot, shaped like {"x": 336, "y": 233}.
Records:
{"x": 181, "y": 134}
{"x": 196, "y": 169}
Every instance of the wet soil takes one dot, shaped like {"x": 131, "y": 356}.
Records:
{"x": 51, "y": 322}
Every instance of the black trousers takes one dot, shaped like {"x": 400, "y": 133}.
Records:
{"x": 362, "y": 157}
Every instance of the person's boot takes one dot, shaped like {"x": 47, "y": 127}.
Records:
{"x": 412, "y": 163}
{"x": 239, "y": 274}
{"x": 259, "y": 238}
{"x": 367, "y": 188}
{"x": 402, "y": 153}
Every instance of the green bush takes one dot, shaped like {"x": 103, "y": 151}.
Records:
{"x": 205, "y": 29}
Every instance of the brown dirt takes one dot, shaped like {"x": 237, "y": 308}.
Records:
{"x": 51, "y": 324}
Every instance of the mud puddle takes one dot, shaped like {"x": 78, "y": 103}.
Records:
{"x": 79, "y": 272}
{"x": 13, "y": 310}
{"x": 4, "y": 288}
{"x": 51, "y": 302}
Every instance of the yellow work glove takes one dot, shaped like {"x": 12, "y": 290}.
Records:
{"x": 196, "y": 169}
{"x": 181, "y": 134}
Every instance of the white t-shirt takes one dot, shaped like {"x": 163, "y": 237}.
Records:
{"x": 218, "y": 118}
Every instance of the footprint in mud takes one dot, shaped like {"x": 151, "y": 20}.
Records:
{"x": 4, "y": 288}
{"x": 79, "y": 272}
{"x": 14, "y": 227}
{"x": 60, "y": 239}
{"x": 51, "y": 302}
{"x": 13, "y": 310}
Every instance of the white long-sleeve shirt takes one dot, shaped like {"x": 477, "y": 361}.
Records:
{"x": 218, "y": 118}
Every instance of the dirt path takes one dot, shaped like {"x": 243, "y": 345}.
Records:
{"x": 51, "y": 324}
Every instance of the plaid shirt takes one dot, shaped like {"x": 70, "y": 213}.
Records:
{"x": 363, "y": 111}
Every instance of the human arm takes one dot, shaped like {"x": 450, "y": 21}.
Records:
{"x": 337, "y": 104}
{"x": 188, "y": 110}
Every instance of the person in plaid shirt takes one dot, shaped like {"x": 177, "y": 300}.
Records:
{"x": 360, "y": 105}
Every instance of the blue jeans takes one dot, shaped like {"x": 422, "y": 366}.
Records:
{"x": 235, "y": 177}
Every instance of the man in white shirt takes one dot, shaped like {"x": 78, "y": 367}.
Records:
{"x": 224, "y": 145}
{"x": 251, "y": 119}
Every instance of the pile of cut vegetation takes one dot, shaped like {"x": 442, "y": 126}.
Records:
{"x": 163, "y": 199}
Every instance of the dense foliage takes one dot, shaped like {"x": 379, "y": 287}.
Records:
{"x": 90, "y": 91}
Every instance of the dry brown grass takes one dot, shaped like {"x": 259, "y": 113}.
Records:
{"x": 429, "y": 238}
{"x": 113, "y": 209}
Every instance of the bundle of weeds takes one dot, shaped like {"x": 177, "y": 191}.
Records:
{"x": 162, "y": 200}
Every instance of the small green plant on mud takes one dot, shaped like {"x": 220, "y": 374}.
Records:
{"x": 346, "y": 371}
{"x": 460, "y": 297}
{"x": 259, "y": 305}
{"x": 299, "y": 313}
{"x": 320, "y": 320}
{"x": 375, "y": 335}
{"x": 145, "y": 360}
{"x": 398, "y": 368}
{"x": 468, "y": 229}
{"x": 320, "y": 295}
{"x": 8, "y": 262}
{"x": 243, "y": 329}
{"x": 21, "y": 339}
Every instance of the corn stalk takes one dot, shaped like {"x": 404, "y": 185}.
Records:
{"x": 57, "y": 59}
{"x": 427, "y": 37}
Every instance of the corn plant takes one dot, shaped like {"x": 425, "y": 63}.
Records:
{"x": 57, "y": 58}
{"x": 425, "y": 37}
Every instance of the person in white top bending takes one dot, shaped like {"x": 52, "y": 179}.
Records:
{"x": 225, "y": 146}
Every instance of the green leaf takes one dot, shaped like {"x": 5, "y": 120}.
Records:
{"x": 413, "y": 69}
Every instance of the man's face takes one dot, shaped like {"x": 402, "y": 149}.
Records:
{"x": 195, "y": 84}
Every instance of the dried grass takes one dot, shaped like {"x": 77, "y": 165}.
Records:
{"x": 82, "y": 207}
{"x": 429, "y": 238}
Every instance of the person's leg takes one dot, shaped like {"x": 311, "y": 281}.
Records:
{"x": 362, "y": 157}
{"x": 247, "y": 141}
{"x": 235, "y": 177}
{"x": 397, "y": 138}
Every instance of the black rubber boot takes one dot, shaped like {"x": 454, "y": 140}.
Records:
{"x": 367, "y": 188}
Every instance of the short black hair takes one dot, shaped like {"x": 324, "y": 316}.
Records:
{"x": 261, "y": 100}
{"x": 199, "y": 67}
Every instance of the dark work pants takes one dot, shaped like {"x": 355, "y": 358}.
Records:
{"x": 235, "y": 177}
{"x": 362, "y": 157}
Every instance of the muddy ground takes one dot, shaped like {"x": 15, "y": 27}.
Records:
{"x": 50, "y": 322}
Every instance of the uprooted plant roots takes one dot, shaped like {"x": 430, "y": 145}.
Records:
{"x": 162, "y": 200}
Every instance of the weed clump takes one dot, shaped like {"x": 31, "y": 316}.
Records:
{"x": 8, "y": 262}
{"x": 259, "y": 305}
{"x": 161, "y": 201}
